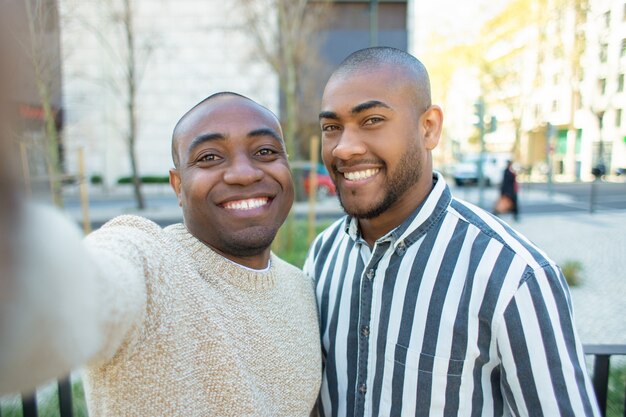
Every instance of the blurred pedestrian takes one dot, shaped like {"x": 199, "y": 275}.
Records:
{"x": 196, "y": 319}
{"x": 429, "y": 306}
{"x": 509, "y": 187}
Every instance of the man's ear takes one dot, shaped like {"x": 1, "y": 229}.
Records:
{"x": 175, "y": 183}
{"x": 432, "y": 123}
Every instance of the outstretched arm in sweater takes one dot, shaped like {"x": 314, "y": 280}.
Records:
{"x": 62, "y": 304}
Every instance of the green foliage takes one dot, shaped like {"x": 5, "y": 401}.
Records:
{"x": 146, "y": 179}
{"x": 96, "y": 179}
{"x": 615, "y": 397}
{"x": 295, "y": 254}
{"x": 79, "y": 404}
{"x": 572, "y": 271}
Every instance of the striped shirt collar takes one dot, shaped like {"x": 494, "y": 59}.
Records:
{"x": 417, "y": 224}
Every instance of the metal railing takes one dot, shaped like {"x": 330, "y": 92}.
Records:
{"x": 600, "y": 376}
{"x": 29, "y": 402}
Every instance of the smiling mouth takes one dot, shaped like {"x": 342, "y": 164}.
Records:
{"x": 360, "y": 175}
{"x": 247, "y": 204}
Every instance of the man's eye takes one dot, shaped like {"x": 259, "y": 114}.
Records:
{"x": 329, "y": 128}
{"x": 210, "y": 157}
{"x": 266, "y": 152}
{"x": 373, "y": 120}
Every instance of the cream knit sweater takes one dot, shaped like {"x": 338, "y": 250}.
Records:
{"x": 177, "y": 330}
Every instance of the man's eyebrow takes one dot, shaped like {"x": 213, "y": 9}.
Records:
{"x": 328, "y": 115}
{"x": 356, "y": 109}
{"x": 266, "y": 132}
{"x": 207, "y": 137}
{"x": 368, "y": 105}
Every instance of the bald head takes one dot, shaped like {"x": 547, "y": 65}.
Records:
{"x": 371, "y": 59}
{"x": 188, "y": 118}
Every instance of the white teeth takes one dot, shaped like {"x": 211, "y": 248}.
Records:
{"x": 360, "y": 175}
{"x": 249, "y": 204}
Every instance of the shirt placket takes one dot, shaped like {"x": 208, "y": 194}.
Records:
{"x": 365, "y": 309}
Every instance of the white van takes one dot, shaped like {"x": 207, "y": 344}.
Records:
{"x": 466, "y": 171}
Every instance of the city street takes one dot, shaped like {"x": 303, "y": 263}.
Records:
{"x": 535, "y": 199}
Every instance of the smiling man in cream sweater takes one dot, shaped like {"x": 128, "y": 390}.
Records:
{"x": 196, "y": 319}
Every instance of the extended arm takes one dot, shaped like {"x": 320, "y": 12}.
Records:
{"x": 64, "y": 302}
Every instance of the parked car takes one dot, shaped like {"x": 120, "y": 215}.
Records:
{"x": 301, "y": 175}
{"x": 466, "y": 170}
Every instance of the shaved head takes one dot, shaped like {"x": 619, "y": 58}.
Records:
{"x": 370, "y": 59}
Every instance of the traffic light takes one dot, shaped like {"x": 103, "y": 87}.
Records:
{"x": 479, "y": 112}
{"x": 493, "y": 124}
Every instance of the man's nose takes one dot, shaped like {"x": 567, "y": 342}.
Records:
{"x": 350, "y": 144}
{"x": 242, "y": 171}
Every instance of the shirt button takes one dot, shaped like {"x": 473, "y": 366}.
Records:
{"x": 363, "y": 388}
{"x": 370, "y": 274}
{"x": 365, "y": 331}
{"x": 401, "y": 248}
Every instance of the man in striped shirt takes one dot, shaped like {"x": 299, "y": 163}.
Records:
{"x": 429, "y": 306}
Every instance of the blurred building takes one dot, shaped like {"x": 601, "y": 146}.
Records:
{"x": 555, "y": 84}
{"x": 604, "y": 96}
{"x": 185, "y": 51}
{"x": 349, "y": 25}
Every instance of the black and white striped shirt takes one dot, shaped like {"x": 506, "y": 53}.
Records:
{"x": 452, "y": 313}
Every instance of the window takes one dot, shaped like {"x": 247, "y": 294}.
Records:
{"x": 602, "y": 85}
{"x": 618, "y": 117}
{"x": 624, "y": 12}
{"x": 607, "y": 19}
{"x": 603, "y": 52}
{"x": 623, "y": 51}
{"x": 620, "y": 83}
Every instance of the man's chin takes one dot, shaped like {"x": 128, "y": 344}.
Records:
{"x": 360, "y": 211}
{"x": 251, "y": 243}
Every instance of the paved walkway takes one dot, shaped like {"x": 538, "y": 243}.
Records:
{"x": 598, "y": 241}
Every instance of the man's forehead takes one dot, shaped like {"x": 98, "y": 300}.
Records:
{"x": 227, "y": 113}
{"x": 383, "y": 83}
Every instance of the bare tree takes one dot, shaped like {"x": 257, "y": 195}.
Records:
{"x": 131, "y": 84}
{"x": 130, "y": 56}
{"x": 284, "y": 40}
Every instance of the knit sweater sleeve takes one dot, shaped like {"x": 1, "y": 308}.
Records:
{"x": 70, "y": 302}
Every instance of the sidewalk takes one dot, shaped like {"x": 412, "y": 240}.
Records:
{"x": 597, "y": 240}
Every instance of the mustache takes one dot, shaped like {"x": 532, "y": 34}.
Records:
{"x": 336, "y": 166}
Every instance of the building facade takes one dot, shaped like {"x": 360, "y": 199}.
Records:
{"x": 184, "y": 51}
{"x": 604, "y": 95}
{"x": 552, "y": 75}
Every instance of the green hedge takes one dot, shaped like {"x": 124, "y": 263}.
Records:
{"x": 146, "y": 179}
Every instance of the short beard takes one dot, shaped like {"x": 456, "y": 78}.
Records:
{"x": 407, "y": 174}
{"x": 253, "y": 243}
